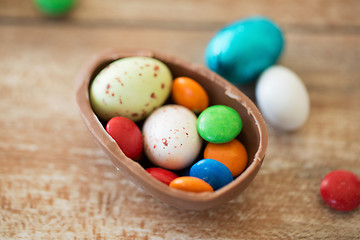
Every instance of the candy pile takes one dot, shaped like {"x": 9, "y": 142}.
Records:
{"x": 133, "y": 93}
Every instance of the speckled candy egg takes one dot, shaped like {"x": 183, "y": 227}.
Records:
{"x": 170, "y": 137}
{"x": 130, "y": 87}
{"x": 242, "y": 50}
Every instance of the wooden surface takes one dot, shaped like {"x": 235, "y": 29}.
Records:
{"x": 56, "y": 183}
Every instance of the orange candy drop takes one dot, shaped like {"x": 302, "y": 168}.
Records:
{"x": 232, "y": 154}
{"x": 189, "y": 93}
{"x": 191, "y": 184}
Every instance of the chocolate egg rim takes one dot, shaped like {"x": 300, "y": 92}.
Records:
{"x": 133, "y": 170}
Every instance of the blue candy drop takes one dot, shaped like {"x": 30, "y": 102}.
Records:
{"x": 213, "y": 172}
{"x": 241, "y": 51}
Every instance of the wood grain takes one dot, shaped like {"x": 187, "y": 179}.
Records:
{"x": 306, "y": 12}
{"x": 56, "y": 183}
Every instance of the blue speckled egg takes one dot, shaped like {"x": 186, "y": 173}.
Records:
{"x": 241, "y": 51}
{"x": 213, "y": 172}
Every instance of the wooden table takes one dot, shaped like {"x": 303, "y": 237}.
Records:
{"x": 56, "y": 183}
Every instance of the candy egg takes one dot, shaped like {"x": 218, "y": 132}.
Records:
{"x": 162, "y": 175}
{"x": 213, "y": 172}
{"x": 242, "y": 50}
{"x": 219, "y": 124}
{"x": 189, "y": 93}
{"x": 170, "y": 136}
{"x": 127, "y": 135}
{"x": 130, "y": 87}
{"x": 232, "y": 154}
{"x": 191, "y": 184}
{"x": 340, "y": 190}
{"x": 282, "y": 98}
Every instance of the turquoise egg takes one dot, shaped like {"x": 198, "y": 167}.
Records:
{"x": 241, "y": 51}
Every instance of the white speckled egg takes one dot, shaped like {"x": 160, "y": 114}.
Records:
{"x": 171, "y": 139}
{"x": 282, "y": 98}
{"x": 130, "y": 87}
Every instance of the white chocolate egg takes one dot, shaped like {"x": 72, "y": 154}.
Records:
{"x": 130, "y": 87}
{"x": 282, "y": 98}
{"x": 170, "y": 137}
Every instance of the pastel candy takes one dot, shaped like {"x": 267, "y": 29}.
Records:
{"x": 213, "y": 172}
{"x": 130, "y": 87}
{"x": 282, "y": 98}
{"x": 219, "y": 124}
{"x": 171, "y": 139}
{"x": 242, "y": 50}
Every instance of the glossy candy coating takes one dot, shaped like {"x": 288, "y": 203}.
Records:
{"x": 171, "y": 139}
{"x": 162, "y": 175}
{"x": 232, "y": 154}
{"x": 340, "y": 190}
{"x": 191, "y": 184}
{"x": 213, "y": 172}
{"x": 219, "y": 124}
{"x": 189, "y": 93}
{"x": 127, "y": 135}
{"x": 54, "y": 7}
{"x": 282, "y": 98}
{"x": 242, "y": 50}
{"x": 130, "y": 87}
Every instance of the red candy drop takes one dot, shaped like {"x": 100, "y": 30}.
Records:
{"x": 127, "y": 135}
{"x": 162, "y": 175}
{"x": 340, "y": 190}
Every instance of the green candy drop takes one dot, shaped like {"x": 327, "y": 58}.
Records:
{"x": 219, "y": 124}
{"x": 54, "y": 8}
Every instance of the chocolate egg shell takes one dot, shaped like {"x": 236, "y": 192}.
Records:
{"x": 253, "y": 136}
